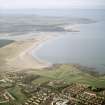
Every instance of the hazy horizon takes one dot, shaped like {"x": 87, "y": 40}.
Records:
{"x": 49, "y": 4}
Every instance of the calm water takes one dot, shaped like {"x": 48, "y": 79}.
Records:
{"x": 86, "y": 47}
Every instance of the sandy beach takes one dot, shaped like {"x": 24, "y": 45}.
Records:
{"x": 19, "y": 54}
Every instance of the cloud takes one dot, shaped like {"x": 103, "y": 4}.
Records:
{"x": 18, "y": 4}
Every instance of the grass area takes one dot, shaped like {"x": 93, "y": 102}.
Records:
{"x": 17, "y": 94}
{"x": 4, "y": 104}
{"x": 5, "y": 42}
{"x": 42, "y": 80}
{"x": 69, "y": 74}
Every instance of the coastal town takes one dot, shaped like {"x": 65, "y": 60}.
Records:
{"x": 52, "y": 52}
{"x": 55, "y": 92}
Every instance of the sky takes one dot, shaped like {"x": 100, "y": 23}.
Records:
{"x": 51, "y": 4}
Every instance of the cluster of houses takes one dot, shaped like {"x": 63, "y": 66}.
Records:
{"x": 88, "y": 98}
{"x": 83, "y": 95}
{"x": 5, "y": 97}
{"x": 47, "y": 94}
{"x": 75, "y": 94}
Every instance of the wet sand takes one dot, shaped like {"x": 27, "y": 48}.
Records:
{"x": 19, "y": 54}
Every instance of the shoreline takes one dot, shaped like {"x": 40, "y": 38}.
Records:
{"x": 25, "y": 59}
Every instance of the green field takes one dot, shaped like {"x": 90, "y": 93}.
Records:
{"x": 69, "y": 74}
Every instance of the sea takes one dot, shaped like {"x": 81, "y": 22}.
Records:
{"x": 86, "y": 47}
